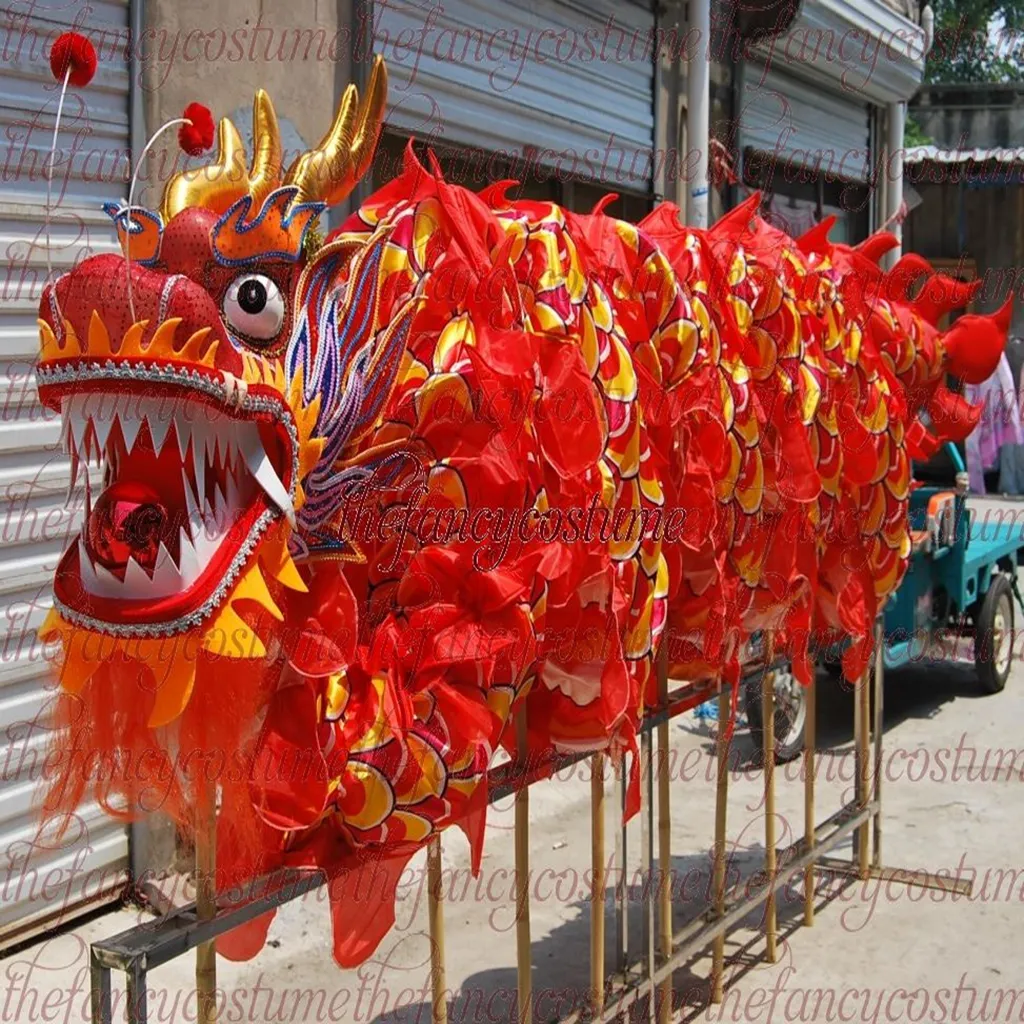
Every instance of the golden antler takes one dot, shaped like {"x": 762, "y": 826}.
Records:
{"x": 216, "y": 186}
{"x": 265, "y": 173}
{"x": 329, "y": 172}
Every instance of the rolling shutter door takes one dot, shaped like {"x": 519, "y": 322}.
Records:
{"x": 568, "y": 83}
{"x": 805, "y": 124}
{"x": 38, "y": 882}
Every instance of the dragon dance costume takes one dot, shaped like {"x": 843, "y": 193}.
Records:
{"x": 364, "y": 498}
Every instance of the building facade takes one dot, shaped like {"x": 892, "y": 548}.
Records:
{"x": 572, "y": 98}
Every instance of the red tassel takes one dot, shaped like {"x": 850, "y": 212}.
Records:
{"x": 71, "y": 49}
{"x": 196, "y": 138}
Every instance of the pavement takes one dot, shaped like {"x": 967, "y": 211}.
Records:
{"x": 953, "y": 804}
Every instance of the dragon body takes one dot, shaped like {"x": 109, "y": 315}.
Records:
{"x": 365, "y": 500}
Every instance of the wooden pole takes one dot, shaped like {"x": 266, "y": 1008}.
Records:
{"x": 768, "y": 714}
{"x": 876, "y": 849}
{"x": 206, "y": 900}
{"x": 864, "y": 741}
{"x": 435, "y": 910}
{"x": 664, "y": 838}
{"x": 810, "y": 740}
{"x": 522, "y": 844}
{"x": 718, "y": 869}
{"x": 597, "y": 863}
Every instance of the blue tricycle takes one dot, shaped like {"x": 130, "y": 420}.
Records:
{"x": 960, "y": 587}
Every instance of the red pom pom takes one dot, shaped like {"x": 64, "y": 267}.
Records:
{"x": 75, "y": 51}
{"x": 197, "y": 137}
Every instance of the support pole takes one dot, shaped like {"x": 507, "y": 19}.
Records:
{"x": 597, "y": 864}
{"x": 810, "y": 741}
{"x": 864, "y": 770}
{"x": 768, "y": 714}
{"x": 664, "y": 839}
{"x": 879, "y": 688}
{"x": 522, "y": 844}
{"x": 206, "y": 900}
{"x": 718, "y": 869}
{"x": 698, "y": 110}
{"x": 435, "y": 911}
{"x": 895, "y": 116}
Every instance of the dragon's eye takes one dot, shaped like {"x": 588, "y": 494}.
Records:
{"x": 254, "y": 306}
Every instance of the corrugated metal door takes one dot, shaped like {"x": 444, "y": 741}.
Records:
{"x": 804, "y": 123}
{"x": 41, "y": 881}
{"x": 568, "y": 83}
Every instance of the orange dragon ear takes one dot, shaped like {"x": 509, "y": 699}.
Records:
{"x": 974, "y": 344}
{"x": 145, "y": 228}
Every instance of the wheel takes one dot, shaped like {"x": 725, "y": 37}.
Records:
{"x": 993, "y": 636}
{"x": 790, "y": 714}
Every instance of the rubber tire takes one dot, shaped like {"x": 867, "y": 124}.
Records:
{"x": 784, "y": 752}
{"x": 992, "y": 681}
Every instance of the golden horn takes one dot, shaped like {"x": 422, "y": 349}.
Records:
{"x": 329, "y": 172}
{"x": 265, "y": 172}
{"x": 214, "y": 187}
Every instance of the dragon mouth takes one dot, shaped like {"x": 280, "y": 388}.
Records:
{"x": 189, "y": 485}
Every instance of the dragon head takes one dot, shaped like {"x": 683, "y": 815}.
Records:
{"x": 170, "y": 368}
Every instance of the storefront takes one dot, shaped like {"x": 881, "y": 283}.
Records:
{"x": 41, "y": 882}
{"x": 557, "y": 94}
{"x": 813, "y": 104}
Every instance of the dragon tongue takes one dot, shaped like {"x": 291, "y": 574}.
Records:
{"x": 266, "y": 476}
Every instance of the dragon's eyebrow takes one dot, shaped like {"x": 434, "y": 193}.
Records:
{"x": 278, "y": 231}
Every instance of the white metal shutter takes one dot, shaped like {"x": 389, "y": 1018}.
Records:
{"x": 40, "y": 884}
{"x": 804, "y": 123}
{"x": 570, "y": 79}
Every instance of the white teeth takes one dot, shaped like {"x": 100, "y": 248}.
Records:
{"x": 102, "y": 427}
{"x": 86, "y": 570}
{"x": 188, "y": 560}
{"x": 202, "y": 430}
{"x": 184, "y": 435}
{"x": 166, "y": 577}
{"x": 195, "y": 517}
{"x": 75, "y": 466}
{"x": 159, "y": 421}
{"x": 77, "y": 423}
{"x": 263, "y": 470}
{"x": 136, "y": 582}
{"x": 231, "y": 492}
{"x": 109, "y": 584}
{"x": 226, "y": 447}
{"x": 130, "y": 426}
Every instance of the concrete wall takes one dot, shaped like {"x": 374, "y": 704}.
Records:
{"x": 971, "y": 116}
{"x": 218, "y": 52}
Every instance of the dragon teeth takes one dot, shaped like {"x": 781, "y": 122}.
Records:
{"x": 229, "y": 448}
{"x": 262, "y": 469}
{"x": 158, "y": 427}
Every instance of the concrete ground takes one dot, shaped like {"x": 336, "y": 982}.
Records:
{"x": 953, "y": 803}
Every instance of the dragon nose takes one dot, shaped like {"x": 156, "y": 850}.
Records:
{"x": 99, "y": 285}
